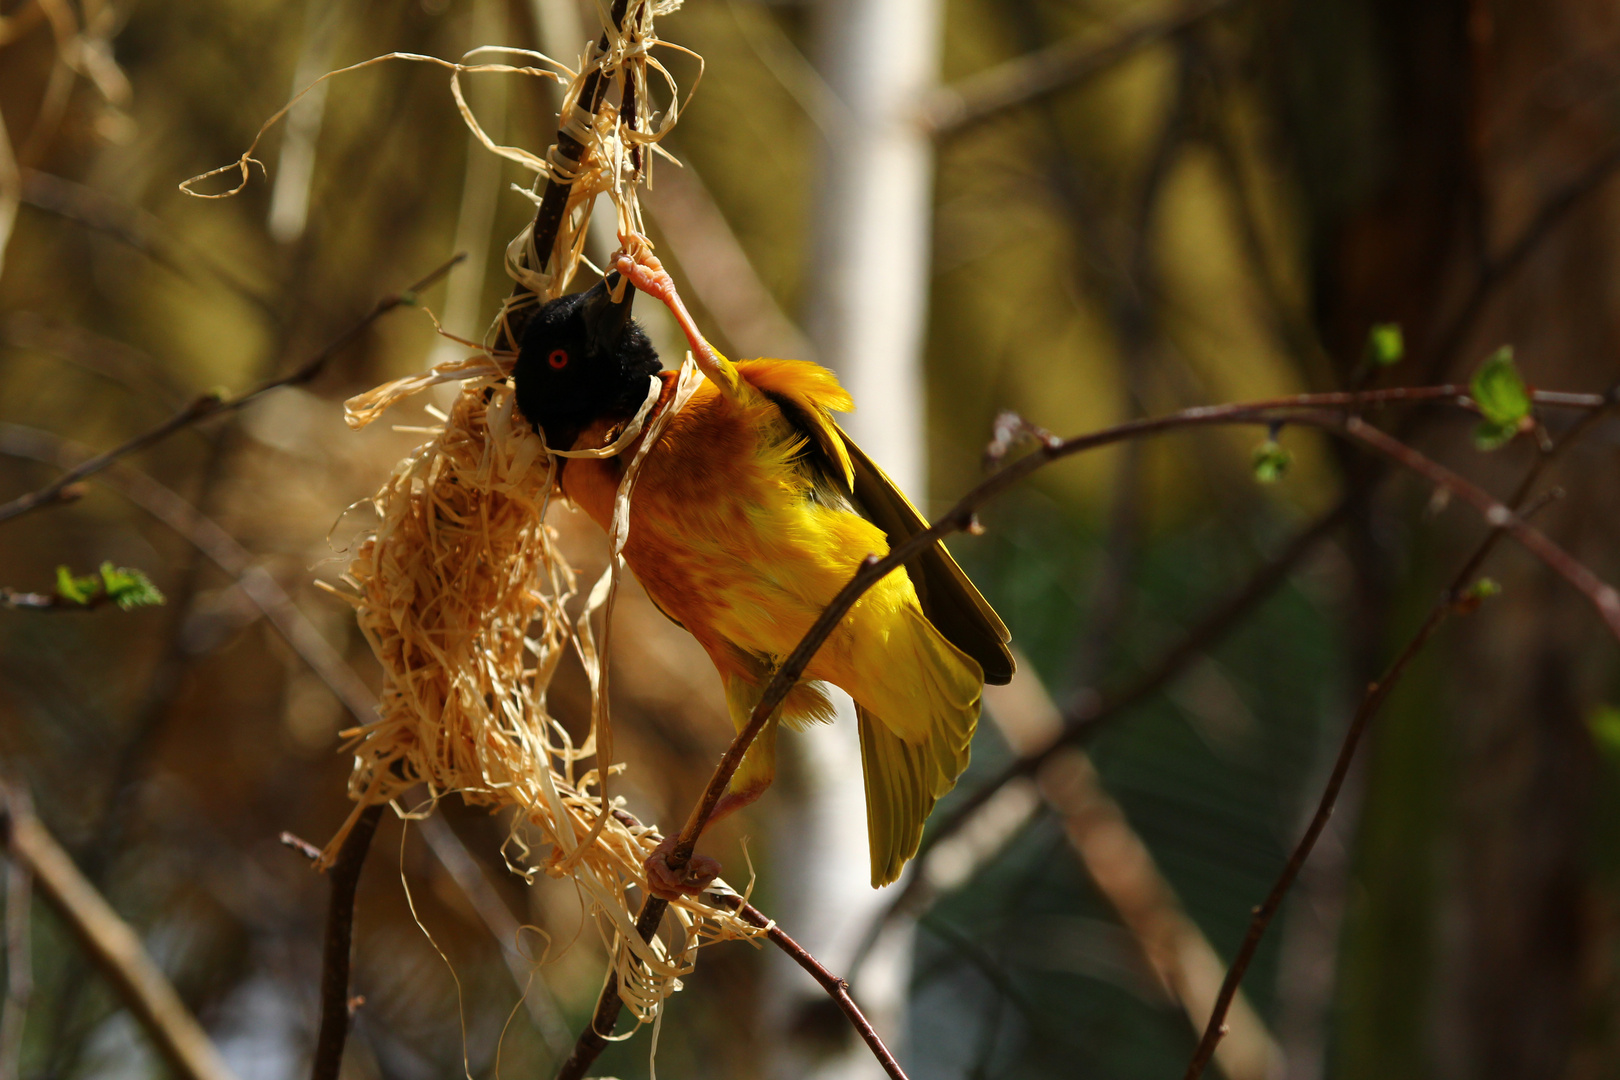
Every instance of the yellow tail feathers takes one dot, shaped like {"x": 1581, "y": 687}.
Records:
{"x": 906, "y": 776}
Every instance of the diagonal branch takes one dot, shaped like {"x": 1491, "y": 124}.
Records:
{"x": 212, "y": 404}
{"x": 115, "y": 948}
{"x": 1454, "y": 599}
{"x": 1314, "y": 410}
{"x": 336, "y": 1008}
{"x": 1036, "y": 75}
{"x": 837, "y": 989}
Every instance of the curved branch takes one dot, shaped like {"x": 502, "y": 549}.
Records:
{"x": 1452, "y": 600}
{"x": 1313, "y": 410}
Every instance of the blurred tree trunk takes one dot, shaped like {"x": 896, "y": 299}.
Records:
{"x": 1430, "y": 138}
{"x": 870, "y": 281}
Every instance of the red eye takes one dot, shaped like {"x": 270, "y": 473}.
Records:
{"x": 558, "y": 358}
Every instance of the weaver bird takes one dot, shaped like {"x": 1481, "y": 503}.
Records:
{"x": 752, "y": 510}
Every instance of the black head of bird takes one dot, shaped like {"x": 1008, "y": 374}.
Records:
{"x": 581, "y": 359}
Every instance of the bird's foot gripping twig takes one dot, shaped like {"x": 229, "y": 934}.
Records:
{"x": 671, "y": 884}
{"x": 646, "y": 273}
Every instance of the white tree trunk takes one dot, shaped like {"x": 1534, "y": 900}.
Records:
{"x": 869, "y": 307}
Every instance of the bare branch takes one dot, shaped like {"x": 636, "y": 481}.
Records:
{"x": 212, "y": 404}
{"x": 1028, "y": 78}
{"x": 115, "y": 948}
{"x": 594, "y": 1039}
{"x": 1123, "y": 868}
{"x": 1314, "y": 410}
{"x": 1503, "y": 522}
{"x": 1306, "y": 409}
{"x": 335, "y": 1007}
{"x": 837, "y": 989}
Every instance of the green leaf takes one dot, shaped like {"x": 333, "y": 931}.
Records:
{"x": 1385, "y": 344}
{"x": 1483, "y": 589}
{"x": 1502, "y": 399}
{"x": 1271, "y": 461}
{"x": 77, "y": 589}
{"x": 129, "y": 588}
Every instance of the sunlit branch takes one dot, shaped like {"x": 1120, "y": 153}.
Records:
{"x": 213, "y": 404}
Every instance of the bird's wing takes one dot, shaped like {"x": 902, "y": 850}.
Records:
{"x": 949, "y": 599}
{"x": 807, "y": 393}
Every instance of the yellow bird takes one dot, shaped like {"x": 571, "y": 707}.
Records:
{"x": 752, "y": 510}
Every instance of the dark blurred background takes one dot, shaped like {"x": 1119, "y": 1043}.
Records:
{"x": 1154, "y": 206}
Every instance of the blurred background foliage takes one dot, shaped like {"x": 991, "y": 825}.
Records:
{"x": 1219, "y": 212}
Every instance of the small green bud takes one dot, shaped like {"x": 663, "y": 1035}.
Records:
{"x": 1271, "y": 461}
{"x": 1503, "y": 400}
{"x": 1385, "y": 344}
{"x": 77, "y": 589}
{"x": 129, "y": 588}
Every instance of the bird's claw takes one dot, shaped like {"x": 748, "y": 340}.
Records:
{"x": 670, "y": 884}
{"x": 647, "y": 274}
{"x": 643, "y": 270}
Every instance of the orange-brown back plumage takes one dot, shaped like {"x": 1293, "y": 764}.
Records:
{"x": 750, "y": 513}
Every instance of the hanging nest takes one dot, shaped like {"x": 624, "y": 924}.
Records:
{"x": 461, "y": 591}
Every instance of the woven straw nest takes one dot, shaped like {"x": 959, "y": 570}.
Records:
{"x": 460, "y": 589}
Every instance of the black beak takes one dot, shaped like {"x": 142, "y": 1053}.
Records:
{"x": 606, "y": 322}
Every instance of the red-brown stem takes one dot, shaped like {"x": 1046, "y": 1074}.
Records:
{"x": 1303, "y": 409}
{"x": 837, "y": 989}
{"x": 1374, "y": 699}
{"x": 345, "y": 878}
{"x": 1312, "y": 410}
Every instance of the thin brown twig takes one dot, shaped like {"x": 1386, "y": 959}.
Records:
{"x": 1028, "y": 78}
{"x": 213, "y": 404}
{"x": 1495, "y": 271}
{"x": 1085, "y": 718}
{"x": 837, "y": 989}
{"x": 594, "y": 1039}
{"x": 1450, "y": 601}
{"x": 1312, "y": 410}
{"x": 336, "y": 1010}
{"x": 117, "y": 951}
{"x": 1305, "y": 409}
{"x": 323, "y": 659}
{"x": 133, "y": 226}
{"x": 1499, "y": 516}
